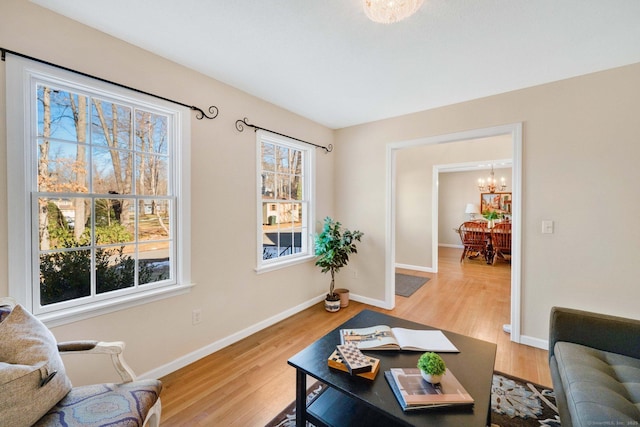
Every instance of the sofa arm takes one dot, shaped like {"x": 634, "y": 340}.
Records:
{"x": 600, "y": 331}
{"x": 115, "y": 349}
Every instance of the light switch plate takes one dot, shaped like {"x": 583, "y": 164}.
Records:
{"x": 547, "y": 227}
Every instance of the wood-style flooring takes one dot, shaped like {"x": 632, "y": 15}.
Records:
{"x": 249, "y": 382}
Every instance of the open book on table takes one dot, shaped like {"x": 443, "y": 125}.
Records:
{"x": 382, "y": 337}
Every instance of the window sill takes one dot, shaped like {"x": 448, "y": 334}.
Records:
{"x": 76, "y": 314}
{"x": 283, "y": 264}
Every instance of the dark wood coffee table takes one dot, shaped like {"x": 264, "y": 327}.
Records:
{"x": 351, "y": 400}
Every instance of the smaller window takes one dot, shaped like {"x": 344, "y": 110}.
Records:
{"x": 285, "y": 201}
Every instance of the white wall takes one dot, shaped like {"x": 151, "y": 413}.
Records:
{"x": 580, "y": 157}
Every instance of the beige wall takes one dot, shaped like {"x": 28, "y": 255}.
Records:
{"x": 580, "y": 169}
{"x": 231, "y": 295}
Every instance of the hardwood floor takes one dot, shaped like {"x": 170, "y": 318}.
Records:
{"x": 249, "y": 382}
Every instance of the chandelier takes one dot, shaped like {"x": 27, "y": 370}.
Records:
{"x": 390, "y": 11}
{"x": 491, "y": 184}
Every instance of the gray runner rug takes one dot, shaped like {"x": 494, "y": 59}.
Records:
{"x": 406, "y": 285}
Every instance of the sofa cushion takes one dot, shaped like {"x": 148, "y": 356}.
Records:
{"x": 601, "y": 387}
{"x": 32, "y": 376}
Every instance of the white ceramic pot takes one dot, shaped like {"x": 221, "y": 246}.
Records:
{"x": 433, "y": 379}
{"x": 332, "y": 306}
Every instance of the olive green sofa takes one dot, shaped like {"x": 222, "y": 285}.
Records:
{"x": 595, "y": 368}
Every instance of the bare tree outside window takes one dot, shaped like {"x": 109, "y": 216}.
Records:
{"x": 284, "y": 200}
{"x": 98, "y": 193}
{"x": 104, "y": 203}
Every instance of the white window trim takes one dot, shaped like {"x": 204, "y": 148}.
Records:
{"x": 19, "y": 75}
{"x": 309, "y": 188}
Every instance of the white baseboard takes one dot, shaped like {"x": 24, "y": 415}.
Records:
{"x": 415, "y": 267}
{"x": 187, "y": 359}
{"x": 534, "y": 342}
{"x": 370, "y": 301}
{"x": 447, "y": 245}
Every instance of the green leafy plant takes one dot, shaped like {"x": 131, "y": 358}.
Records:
{"x": 490, "y": 215}
{"x": 66, "y": 274}
{"x": 431, "y": 363}
{"x": 333, "y": 247}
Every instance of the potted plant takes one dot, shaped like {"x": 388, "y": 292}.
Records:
{"x": 431, "y": 367}
{"x": 490, "y": 216}
{"x": 333, "y": 247}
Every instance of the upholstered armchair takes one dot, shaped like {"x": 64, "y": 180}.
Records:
{"x": 35, "y": 390}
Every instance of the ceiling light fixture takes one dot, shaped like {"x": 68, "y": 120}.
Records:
{"x": 490, "y": 184}
{"x": 390, "y": 11}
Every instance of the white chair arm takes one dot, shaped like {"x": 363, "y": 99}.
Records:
{"x": 8, "y": 301}
{"x": 115, "y": 349}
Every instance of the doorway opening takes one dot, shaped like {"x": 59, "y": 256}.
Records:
{"x": 514, "y": 132}
{"x": 455, "y": 190}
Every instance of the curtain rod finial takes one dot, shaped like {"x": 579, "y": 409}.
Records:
{"x": 213, "y": 110}
{"x": 240, "y": 124}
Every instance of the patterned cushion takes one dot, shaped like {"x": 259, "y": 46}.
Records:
{"x": 5, "y": 310}
{"x": 32, "y": 376}
{"x": 120, "y": 405}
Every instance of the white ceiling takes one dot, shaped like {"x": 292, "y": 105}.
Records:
{"x": 324, "y": 60}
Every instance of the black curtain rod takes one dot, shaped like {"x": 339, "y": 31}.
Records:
{"x": 240, "y": 124}
{"x": 213, "y": 110}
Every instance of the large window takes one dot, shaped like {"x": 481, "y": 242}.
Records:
{"x": 104, "y": 197}
{"x": 285, "y": 201}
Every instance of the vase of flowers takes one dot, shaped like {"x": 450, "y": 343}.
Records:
{"x": 490, "y": 216}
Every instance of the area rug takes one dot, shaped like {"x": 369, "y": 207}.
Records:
{"x": 514, "y": 403}
{"x": 406, "y": 285}
{"x": 519, "y": 403}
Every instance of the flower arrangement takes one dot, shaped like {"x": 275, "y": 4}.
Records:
{"x": 490, "y": 215}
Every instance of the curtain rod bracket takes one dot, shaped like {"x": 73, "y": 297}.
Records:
{"x": 200, "y": 114}
{"x": 241, "y": 123}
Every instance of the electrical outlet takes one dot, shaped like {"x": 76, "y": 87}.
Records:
{"x": 354, "y": 273}
{"x": 196, "y": 316}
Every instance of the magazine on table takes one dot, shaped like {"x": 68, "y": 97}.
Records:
{"x": 382, "y": 337}
{"x": 413, "y": 392}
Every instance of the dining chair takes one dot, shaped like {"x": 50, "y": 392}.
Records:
{"x": 501, "y": 241}
{"x": 474, "y": 238}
